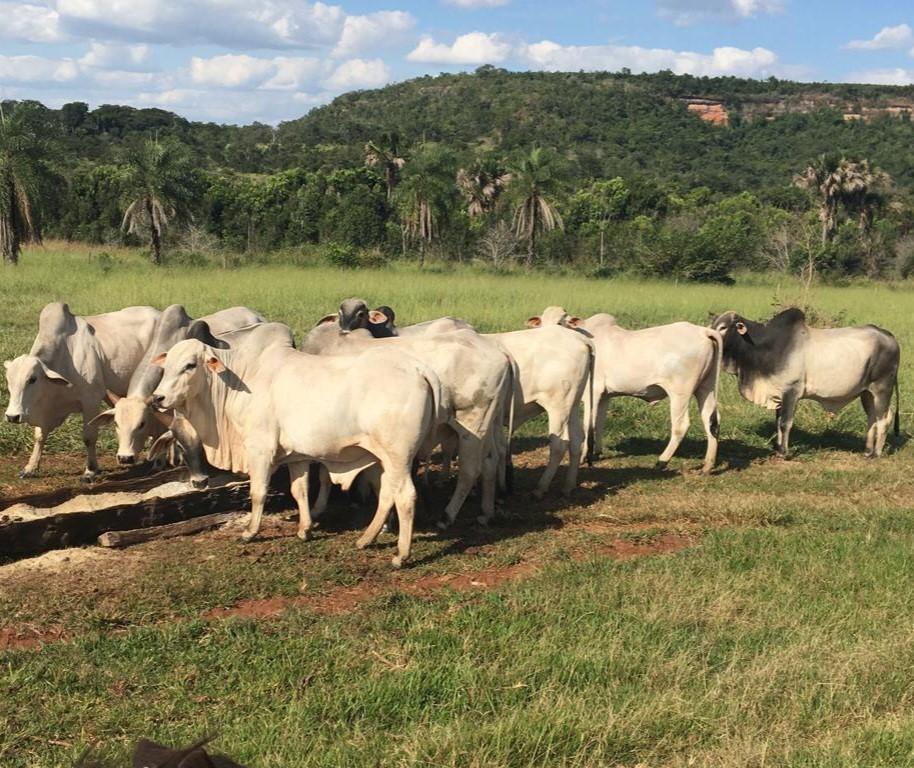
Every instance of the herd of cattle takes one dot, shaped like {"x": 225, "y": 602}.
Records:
{"x": 362, "y": 395}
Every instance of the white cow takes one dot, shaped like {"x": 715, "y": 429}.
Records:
{"x": 74, "y": 361}
{"x": 555, "y": 367}
{"x": 478, "y": 378}
{"x": 264, "y": 404}
{"x": 133, "y": 418}
{"x": 679, "y": 361}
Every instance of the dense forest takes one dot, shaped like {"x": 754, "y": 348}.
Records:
{"x": 601, "y": 172}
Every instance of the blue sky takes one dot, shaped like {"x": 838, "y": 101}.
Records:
{"x": 271, "y": 60}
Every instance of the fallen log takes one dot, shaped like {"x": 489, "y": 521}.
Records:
{"x": 26, "y": 538}
{"x": 184, "y": 528}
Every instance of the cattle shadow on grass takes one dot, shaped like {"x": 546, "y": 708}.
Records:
{"x": 804, "y": 442}
{"x": 731, "y": 454}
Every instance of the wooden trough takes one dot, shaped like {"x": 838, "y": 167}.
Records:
{"x": 70, "y": 517}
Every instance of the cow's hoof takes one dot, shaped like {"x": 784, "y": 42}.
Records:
{"x": 248, "y": 536}
{"x": 444, "y": 523}
{"x": 88, "y": 477}
{"x": 397, "y": 562}
{"x": 661, "y": 466}
{"x": 483, "y": 520}
{"x": 25, "y": 474}
{"x": 199, "y": 483}
{"x": 538, "y": 494}
{"x": 362, "y": 543}
{"x": 304, "y": 535}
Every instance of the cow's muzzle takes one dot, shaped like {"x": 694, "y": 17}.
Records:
{"x": 125, "y": 459}
{"x": 14, "y": 418}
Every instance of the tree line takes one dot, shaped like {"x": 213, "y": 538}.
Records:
{"x": 362, "y": 193}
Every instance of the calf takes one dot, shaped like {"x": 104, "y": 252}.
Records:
{"x": 783, "y": 361}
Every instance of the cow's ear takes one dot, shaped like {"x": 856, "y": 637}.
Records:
{"x": 574, "y": 322}
{"x": 103, "y": 418}
{"x": 55, "y": 378}
{"x": 741, "y": 328}
{"x": 215, "y": 365}
{"x": 200, "y": 330}
{"x": 159, "y": 359}
{"x": 325, "y": 319}
{"x": 534, "y": 322}
{"x": 376, "y": 317}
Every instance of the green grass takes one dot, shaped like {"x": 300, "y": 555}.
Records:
{"x": 782, "y": 637}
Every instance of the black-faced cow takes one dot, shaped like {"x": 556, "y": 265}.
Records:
{"x": 784, "y": 360}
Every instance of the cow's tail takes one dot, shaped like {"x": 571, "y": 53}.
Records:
{"x": 897, "y": 408}
{"x": 592, "y": 421}
{"x": 717, "y": 341}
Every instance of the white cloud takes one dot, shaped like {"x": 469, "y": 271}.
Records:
{"x": 113, "y": 56}
{"x": 230, "y": 71}
{"x": 900, "y": 36}
{"x": 365, "y": 33}
{"x": 30, "y": 22}
{"x": 472, "y": 48}
{"x": 897, "y": 76}
{"x": 759, "y": 62}
{"x": 685, "y": 12}
{"x": 359, "y": 73}
{"x": 478, "y": 3}
{"x": 232, "y": 23}
{"x": 37, "y": 69}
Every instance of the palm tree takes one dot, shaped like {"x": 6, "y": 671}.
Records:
{"x": 481, "y": 186}
{"x": 24, "y": 149}
{"x": 534, "y": 185}
{"x": 824, "y": 177}
{"x": 386, "y": 154}
{"x": 158, "y": 184}
{"x": 425, "y": 194}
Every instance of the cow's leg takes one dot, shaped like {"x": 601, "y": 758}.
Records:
{"x": 34, "y": 461}
{"x": 298, "y": 476}
{"x": 489, "y": 481}
{"x": 468, "y": 471}
{"x": 558, "y": 446}
{"x": 323, "y": 495}
{"x": 786, "y": 413}
{"x": 405, "y": 499}
{"x": 882, "y": 400}
{"x": 602, "y": 407}
{"x": 259, "y": 468}
{"x": 90, "y": 440}
{"x": 710, "y": 419}
{"x": 869, "y": 408}
{"x": 679, "y": 426}
{"x": 385, "y": 502}
{"x": 575, "y": 437}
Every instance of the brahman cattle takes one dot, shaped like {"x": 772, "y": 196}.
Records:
{"x": 73, "y": 364}
{"x": 784, "y": 360}
{"x": 679, "y": 361}
{"x": 555, "y": 367}
{"x": 478, "y": 379}
{"x": 134, "y": 420}
{"x": 263, "y": 404}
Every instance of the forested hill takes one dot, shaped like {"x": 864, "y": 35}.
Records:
{"x": 605, "y": 124}
{"x": 622, "y": 124}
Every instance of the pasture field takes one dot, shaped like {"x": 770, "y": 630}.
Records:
{"x": 762, "y": 616}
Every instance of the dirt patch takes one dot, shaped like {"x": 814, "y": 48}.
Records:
{"x": 58, "y": 560}
{"x": 27, "y": 636}
{"x": 341, "y": 600}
